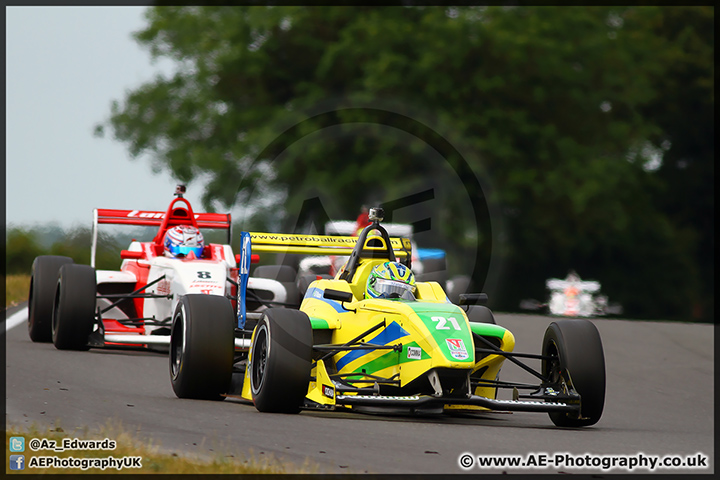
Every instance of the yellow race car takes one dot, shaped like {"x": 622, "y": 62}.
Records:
{"x": 354, "y": 345}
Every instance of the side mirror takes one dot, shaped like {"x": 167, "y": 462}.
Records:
{"x": 473, "y": 298}
{"x": 338, "y": 295}
{"x": 128, "y": 255}
{"x": 254, "y": 258}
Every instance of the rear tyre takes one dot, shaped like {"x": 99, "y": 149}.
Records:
{"x": 304, "y": 282}
{"x": 202, "y": 347}
{"x": 284, "y": 274}
{"x": 281, "y": 273}
{"x": 74, "y": 310}
{"x": 579, "y": 364}
{"x": 480, "y": 314}
{"x": 280, "y": 360}
{"x": 43, "y": 283}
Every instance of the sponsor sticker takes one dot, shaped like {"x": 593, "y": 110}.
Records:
{"x": 457, "y": 348}
{"x": 414, "y": 353}
{"x": 163, "y": 287}
{"x": 137, "y": 213}
{"x": 328, "y": 391}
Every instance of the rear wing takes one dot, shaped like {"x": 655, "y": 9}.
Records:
{"x": 321, "y": 244}
{"x": 146, "y": 218}
{"x": 589, "y": 286}
{"x": 155, "y": 219}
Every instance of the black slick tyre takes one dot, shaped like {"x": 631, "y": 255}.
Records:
{"x": 202, "y": 347}
{"x": 280, "y": 362}
{"x": 74, "y": 309}
{"x": 41, "y": 298}
{"x": 284, "y": 274}
{"x": 480, "y": 314}
{"x": 281, "y": 273}
{"x": 303, "y": 283}
{"x": 579, "y": 364}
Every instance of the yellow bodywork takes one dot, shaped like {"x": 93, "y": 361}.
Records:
{"x": 430, "y": 333}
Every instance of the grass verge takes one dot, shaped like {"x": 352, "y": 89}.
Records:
{"x": 16, "y": 289}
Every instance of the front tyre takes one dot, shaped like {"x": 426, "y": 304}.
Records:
{"x": 280, "y": 361}
{"x": 577, "y": 363}
{"x": 202, "y": 347}
{"x": 43, "y": 283}
{"x": 74, "y": 310}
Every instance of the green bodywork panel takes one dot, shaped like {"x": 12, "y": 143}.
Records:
{"x": 319, "y": 323}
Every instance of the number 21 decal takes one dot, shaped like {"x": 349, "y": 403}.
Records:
{"x": 442, "y": 323}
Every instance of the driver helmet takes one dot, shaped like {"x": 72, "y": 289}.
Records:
{"x": 183, "y": 240}
{"x": 390, "y": 280}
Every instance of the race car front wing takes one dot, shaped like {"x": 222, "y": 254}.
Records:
{"x": 429, "y": 400}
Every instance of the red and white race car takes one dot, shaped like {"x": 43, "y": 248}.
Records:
{"x": 574, "y": 297}
{"x": 78, "y": 307}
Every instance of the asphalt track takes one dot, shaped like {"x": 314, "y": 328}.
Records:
{"x": 660, "y": 401}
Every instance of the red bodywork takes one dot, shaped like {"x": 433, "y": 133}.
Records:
{"x": 179, "y": 212}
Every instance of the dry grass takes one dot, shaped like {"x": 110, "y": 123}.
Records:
{"x": 16, "y": 289}
{"x": 154, "y": 458}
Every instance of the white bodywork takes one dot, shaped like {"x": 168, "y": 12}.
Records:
{"x": 181, "y": 277}
{"x": 277, "y": 288}
{"x": 589, "y": 286}
{"x": 574, "y": 297}
{"x": 348, "y": 227}
{"x": 581, "y": 305}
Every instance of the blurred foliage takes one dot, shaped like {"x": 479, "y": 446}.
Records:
{"x": 17, "y": 287}
{"x": 593, "y": 125}
{"x": 21, "y": 249}
{"x": 24, "y": 244}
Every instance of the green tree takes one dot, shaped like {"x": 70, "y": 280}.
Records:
{"x": 25, "y": 244}
{"x": 563, "y": 111}
{"x": 21, "y": 250}
{"x": 685, "y": 111}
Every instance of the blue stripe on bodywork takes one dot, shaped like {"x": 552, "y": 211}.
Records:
{"x": 391, "y": 333}
{"x": 317, "y": 294}
{"x": 244, "y": 274}
{"x": 430, "y": 253}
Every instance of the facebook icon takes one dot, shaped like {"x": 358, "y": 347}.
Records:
{"x": 17, "y": 462}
